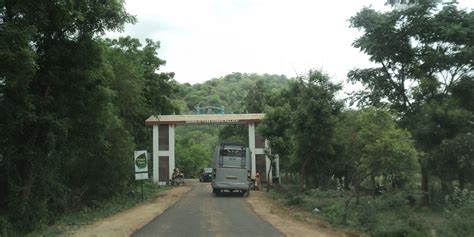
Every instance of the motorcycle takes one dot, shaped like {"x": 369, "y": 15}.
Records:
{"x": 177, "y": 179}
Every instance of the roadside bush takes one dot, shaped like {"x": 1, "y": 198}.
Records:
{"x": 289, "y": 193}
{"x": 317, "y": 193}
{"x": 459, "y": 197}
{"x": 387, "y": 215}
{"x": 461, "y": 220}
{"x": 294, "y": 199}
{"x": 395, "y": 228}
{"x": 98, "y": 210}
{"x": 5, "y": 226}
{"x": 332, "y": 213}
{"x": 366, "y": 214}
{"x": 395, "y": 201}
{"x": 329, "y": 203}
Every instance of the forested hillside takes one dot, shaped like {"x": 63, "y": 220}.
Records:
{"x": 238, "y": 93}
{"x": 229, "y": 91}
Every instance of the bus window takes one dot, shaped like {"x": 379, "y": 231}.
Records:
{"x": 232, "y": 158}
{"x": 233, "y": 152}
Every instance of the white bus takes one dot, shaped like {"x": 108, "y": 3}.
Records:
{"x": 231, "y": 168}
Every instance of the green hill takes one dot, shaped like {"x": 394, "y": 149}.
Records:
{"x": 236, "y": 92}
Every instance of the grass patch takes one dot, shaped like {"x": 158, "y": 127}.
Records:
{"x": 391, "y": 214}
{"x": 101, "y": 209}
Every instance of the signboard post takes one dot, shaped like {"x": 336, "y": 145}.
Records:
{"x": 141, "y": 166}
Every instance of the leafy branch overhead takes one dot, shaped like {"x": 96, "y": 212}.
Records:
{"x": 420, "y": 52}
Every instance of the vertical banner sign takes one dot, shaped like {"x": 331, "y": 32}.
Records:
{"x": 141, "y": 165}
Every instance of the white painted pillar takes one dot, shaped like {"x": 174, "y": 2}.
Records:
{"x": 267, "y": 163}
{"x": 171, "y": 137}
{"x": 155, "y": 153}
{"x": 252, "y": 147}
{"x": 277, "y": 162}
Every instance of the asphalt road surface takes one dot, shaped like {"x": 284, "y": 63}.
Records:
{"x": 201, "y": 213}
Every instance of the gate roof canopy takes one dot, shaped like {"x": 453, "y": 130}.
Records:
{"x": 204, "y": 119}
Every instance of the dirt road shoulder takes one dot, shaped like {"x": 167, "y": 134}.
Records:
{"x": 127, "y": 222}
{"x": 280, "y": 217}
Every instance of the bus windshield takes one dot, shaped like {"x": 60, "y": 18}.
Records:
{"x": 233, "y": 152}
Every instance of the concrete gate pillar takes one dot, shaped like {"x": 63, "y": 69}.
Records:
{"x": 257, "y": 145}
{"x": 252, "y": 147}
{"x": 155, "y": 153}
{"x": 163, "y": 153}
{"x": 277, "y": 171}
{"x": 172, "y": 158}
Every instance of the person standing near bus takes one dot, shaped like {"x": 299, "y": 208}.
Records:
{"x": 257, "y": 180}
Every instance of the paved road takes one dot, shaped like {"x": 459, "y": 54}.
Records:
{"x": 200, "y": 213}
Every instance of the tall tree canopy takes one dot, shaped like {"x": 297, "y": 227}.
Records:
{"x": 306, "y": 112}
{"x": 423, "y": 55}
{"x": 140, "y": 90}
{"x": 420, "y": 52}
{"x": 62, "y": 144}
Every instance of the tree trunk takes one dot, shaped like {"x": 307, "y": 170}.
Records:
{"x": 425, "y": 199}
{"x": 357, "y": 187}
{"x": 346, "y": 207}
{"x": 27, "y": 185}
{"x": 268, "y": 176}
{"x": 445, "y": 187}
{"x": 347, "y": 183}
{"x": 374, "y": 186}
{"x": 303, "y": 175}
{"x": 306, "y": 180}
{"x": 461, "y": 181}
{"x": 324, "y": 182}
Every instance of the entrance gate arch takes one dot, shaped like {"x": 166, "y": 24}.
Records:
{"x": 164, "y": 141}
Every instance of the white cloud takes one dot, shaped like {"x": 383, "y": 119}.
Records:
{"x": 204, "y": 39}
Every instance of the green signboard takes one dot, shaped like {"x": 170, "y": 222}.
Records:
{"x": 141, "y": 161}
{"x": 141, "y": 165}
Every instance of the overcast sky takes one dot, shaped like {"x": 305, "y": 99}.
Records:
{"x": 205, "y": 39}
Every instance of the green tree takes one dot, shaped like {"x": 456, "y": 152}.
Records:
{"x": 194, "y": 150}
{"x": 255, "y": 99}
{"x": 455, "y": 160}
{"x": 277, "y": 130}
{"x": 59, "y": 130}
{"x": 140, "y": 89}
{"x": 379, "y": 149}
{"x": 305, "y": 112}
{"x": 315, "y": 114}
{"x": 421, "y": 54}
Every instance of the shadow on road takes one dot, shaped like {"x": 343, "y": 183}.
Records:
{"x": 229, "y": 195}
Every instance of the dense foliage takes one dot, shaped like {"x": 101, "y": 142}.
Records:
{"x": 410, "y": 136}
{"x": 72, "y": 107}
{"x": 237, "y": 93}
{"x": 424, "y": 57}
